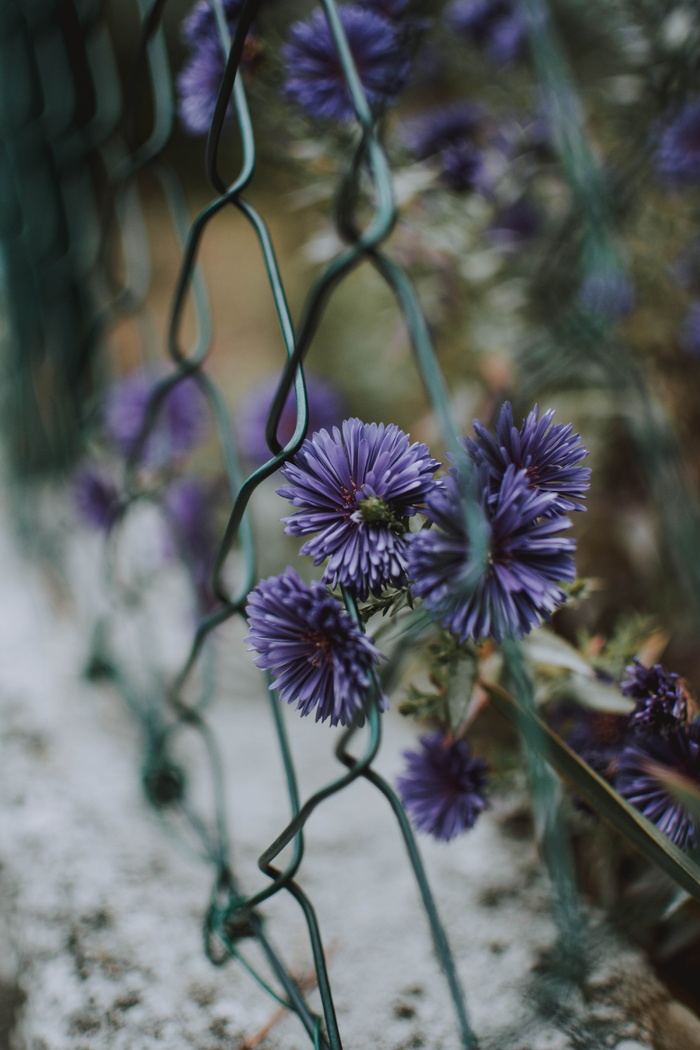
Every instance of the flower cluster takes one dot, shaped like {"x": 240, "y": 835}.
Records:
{"x": 315, "y": 80}
{"x": 525, "y": 480}
{"x": 636, "y": 752}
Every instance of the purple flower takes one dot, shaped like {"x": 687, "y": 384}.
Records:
{"x": 96, "y": 498}
{"x": 450, "y": 133}
{"x": 495, "y": 26}
{"x": 527, "y": 559}
{"x": 609, "y": 294}
{"x": 464, "y": 168}
{"x": 549, "y": 454}
{"x": 639, "y": 783}
{"x": 199, "y": 81}
{"x": 356, "y": 487}
{"x": 201, "y": 23}
{"x": 678, "y": 146}
{"x": 326, "y": 409}
{"x": 596, "y": 736}
{"x": 188, "y": 504}
{"x": 443, "y": 126}
{"x": 318, "y": 656}
{"x": 179, "y": 423}
{"x": 315, "y": 79}
{"x": 689, "y": 336}
{"x": 198, "y": 86}
{"x": 392, "y": 10}
{"x": 515, "y": 225}
{"x": 443, "y": 788}
{"x": 661, "y": 703}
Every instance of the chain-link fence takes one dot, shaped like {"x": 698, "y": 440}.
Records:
{"x": 99, "y": 149}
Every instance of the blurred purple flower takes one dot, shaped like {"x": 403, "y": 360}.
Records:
{"x": 318, "y": 656}
{"x": 199, "y": 81}
{"x": 392, "y": 10}
{"x": 452, "y": 133}
{"x": 596, "y": 736}
{"x": 515, "y": 224}
{"x": 678, "y": 146}
{"x": 201, "y": 23}
{"x": 443, "y": 788}
{"x": 610, "y": 295}
{"x": 661, "y": 703}
{"x": 96, "y": 497}
{"x": 494, "y": 26}
{"x": 436, "y": 129}
{"x": 550, "y": 454}
{"x": 355, "y": 488}
{"x": 326, "y": 409}
{"x": 527, "y": 559}
{"x": 180, "y": 422}
{"x": 464, "y": 168}
{"x": 315, "y": 79}
{"x": 198, "y": 86}
{"x": 188, "y": 504}
{"x": 689, "y": 335}
{"x": 638, "y": 782}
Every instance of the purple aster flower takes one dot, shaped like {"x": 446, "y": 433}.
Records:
{"x": 96, "y": 498}
{"x": 179, "y": 424}
{"x": 638, "y": 781}
{"x": 527, "y": 560}
{"x": 326, "y": 410}
{"x": 661, "y": 702}
{"x": 689, "y": 336}
{"x": 315, "y": 79}
{"x": 356, "y": 487}
{"x": 678, "y": 146}
{"x": 495, "y": 26}
{"x": 318, "y": 656}
{"x": 188, "y": 504}
{"x": 443, "y": 788}
{"x": 199, "y": 81}
{"x": 610, "y": 295}
{"x": 549, "y": 454}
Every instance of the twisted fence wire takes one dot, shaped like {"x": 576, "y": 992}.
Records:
{"x": 164, "y": 712}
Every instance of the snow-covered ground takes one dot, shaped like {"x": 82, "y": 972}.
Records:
{"x": 102, "y": 906}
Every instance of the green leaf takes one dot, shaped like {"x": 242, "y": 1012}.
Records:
{"x": 544, "y": 647}
{"x": 610, "y": 806}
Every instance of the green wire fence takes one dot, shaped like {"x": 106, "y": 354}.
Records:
{"x": 168, "y": 710}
